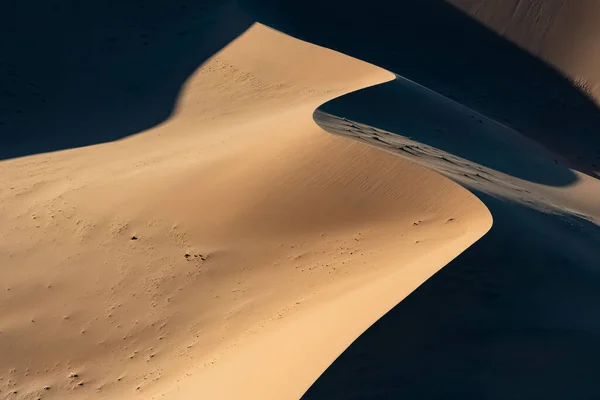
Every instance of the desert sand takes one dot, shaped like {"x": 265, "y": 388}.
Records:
{"x": 232, "y": 241}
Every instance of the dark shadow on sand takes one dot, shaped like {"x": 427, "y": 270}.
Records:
{"x": 510, "y": 318}
{"x": 77, "y": 73}
{"x": 408, "y": 109}
{"x": 436, "y": 45}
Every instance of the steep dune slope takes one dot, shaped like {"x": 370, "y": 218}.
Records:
{"x": 236, "y": 243}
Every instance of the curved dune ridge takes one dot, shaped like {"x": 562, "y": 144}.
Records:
{"x": 237, "y": 249}
{"x": 238, "y": 240}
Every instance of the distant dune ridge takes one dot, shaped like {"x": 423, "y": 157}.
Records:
{"x": 227, "y": 246}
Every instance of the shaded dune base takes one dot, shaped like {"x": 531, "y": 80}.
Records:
{"x": 236, "y": 239}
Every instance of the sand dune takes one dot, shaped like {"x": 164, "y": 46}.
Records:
{"x": 234, "y": 248}
{"x": 234, "y": 239}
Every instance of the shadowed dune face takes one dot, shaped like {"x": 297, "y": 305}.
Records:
{"x": 80, "y": 73}
{"x": 441, "y": 47}
{"x": 431, "y": 121}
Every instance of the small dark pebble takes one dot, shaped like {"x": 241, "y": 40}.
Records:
{"x": 46, "y": 387}
{"x": 187, "y": 255}
{"x": 134, "y": 238}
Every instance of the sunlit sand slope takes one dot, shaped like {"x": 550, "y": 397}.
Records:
{"x": 231, "y": 252}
